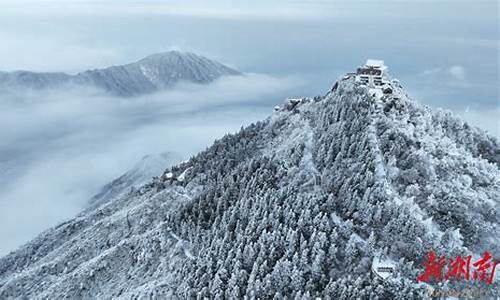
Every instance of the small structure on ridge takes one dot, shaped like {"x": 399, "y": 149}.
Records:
{"x": 372, "y": 73}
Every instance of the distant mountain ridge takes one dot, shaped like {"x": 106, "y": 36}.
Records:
{"x": 150, "y": 74}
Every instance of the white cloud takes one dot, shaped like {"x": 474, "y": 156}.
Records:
{"x": 60, "y": 147}
{"x": 430, "y": 72}
{"x": 457, "y": 72}
{"x": 454, "y": 76}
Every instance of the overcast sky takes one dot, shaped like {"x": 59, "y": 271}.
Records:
{"x": 445, "y": 52}
{"x": 422, "y": 41}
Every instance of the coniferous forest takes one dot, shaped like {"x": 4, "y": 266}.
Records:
{"x": 296, "y": 206}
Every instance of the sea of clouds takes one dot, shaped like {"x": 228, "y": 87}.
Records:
{"x": 59, "y": 147}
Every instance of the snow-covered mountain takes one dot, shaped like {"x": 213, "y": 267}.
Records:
{"x": 298, "y": 206}
{"x": 33, "y": 80}
{"x": 153, "y": 73}
{"x": 148, "y": 167}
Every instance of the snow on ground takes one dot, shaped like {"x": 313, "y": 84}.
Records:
{"x": 183, "y": 245}
{"x": 184, "y": 195}
{"x": 381, "y": 169}
{"x": 383, "y": 267}
{"x": 151, "y": 75}
{"x": 182, "y": 177}
{"x": 376, "y": 92}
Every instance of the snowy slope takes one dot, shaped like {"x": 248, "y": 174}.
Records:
{"x": 32, "y": 80}
{"x": 299, "y": 205}
{"x": 153, "y": 73}
{"x": 147, "y": 168}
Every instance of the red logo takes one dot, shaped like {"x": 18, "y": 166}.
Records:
{"x": 459, "y": 268}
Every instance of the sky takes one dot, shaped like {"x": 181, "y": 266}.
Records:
{"x": 446, "y": 54}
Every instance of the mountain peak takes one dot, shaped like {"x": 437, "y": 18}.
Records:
{"x": 153, "y": 73}
{"x": 177, "y": 58}
{"x": 171, "y": 54}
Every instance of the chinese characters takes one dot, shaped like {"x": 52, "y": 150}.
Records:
{"x": 459, "y": 268}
